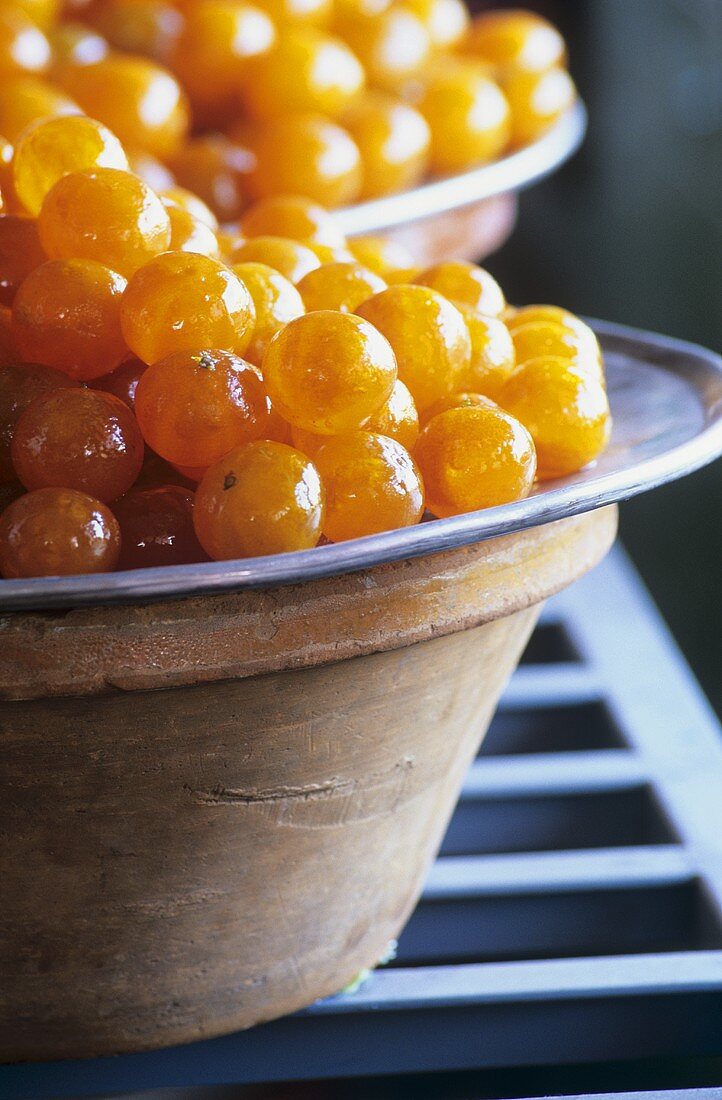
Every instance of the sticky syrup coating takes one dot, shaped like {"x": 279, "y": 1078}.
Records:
{"x": 327, "y": 372}
{"x": 457, "y": 401}
{"x": 290, "y": 258}
{"x": 66, "y": 314}
{"x": 106, "y": 215}
{"x": 123, "y": 381}
{"x": 565, "y": 410}
{"x": 190, "y": 202}
{"x": 537, "y": 101}
{"x": 306, "y": 154}
{"x": 20, "y": 253}
{"x": 372, "y": 484}
{"x": 260, "y": 498}
{"x": 397, "y": 418}
{"x": 216, "y": 169}
{"x": 515, "y": 40}
{"x": 193, "y": 407}
{"x": 460, "y": 281}
{"x": 429, "y": 337}
{"x": 468, "y": 116}
{"x": 292, "y": 216}
{"x": 20, "y": 385}
{"x": 393, "y": 139}
{"x": 554, "y": 315}
{"x": 305, "y": 70}
{"x": 25, "y": 100}
{"x": 339, "y": 286}
{"x": 542, "y": 338}
{"x": 23, "y": 46}
{"x": 210, "y": 56}
{"x": 493, "y": 356}
{"x": 139, "y": 100}
{"x": 78, "y": 439}
{"x": 276, "y": 302}
{"x": 474, "y": 457}
{"x": 156, "y": 528}
{"x": 57, "y": 532}
{"x": 214, "y": 306}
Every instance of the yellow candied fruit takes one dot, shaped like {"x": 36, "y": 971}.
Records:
{"x": 339, "y": 286}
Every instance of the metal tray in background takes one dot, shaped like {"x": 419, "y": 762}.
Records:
{"x": 666, "y": 398}
{"x": 513, "y": 172}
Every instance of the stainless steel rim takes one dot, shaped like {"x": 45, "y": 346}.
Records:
{"x": 511, "y": 173}
{"x": 675, "y": 368}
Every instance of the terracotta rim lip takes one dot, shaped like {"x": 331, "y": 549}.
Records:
{"x": 513, "y": 172}
{"x": 701, "y": 367}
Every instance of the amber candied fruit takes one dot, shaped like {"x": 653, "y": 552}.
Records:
{"x": 190, "y": 234}
{"x": 20, "y": 253}
{"x": 290, "y": 258}
{"x": 397, "y": 417}
{"x": 445, "y": 20}
{"x": 327, "y": 372}
{"x": 468, "y": 115}
{"x": 393, "y": 139}
{"x": 123, "y": 381}
{"x": 464, "y": 282}
{"x": 566, "y": 411}
{"x": 260, "y": 498}
{"x": 182, "y": 301}
{"x": 193, "y": 407}
{"x": 156, "y": 528}
{"x": 20, "y": 384}
{"x": 372, "y": 484}
{"x": 512, "y": 40}
{"x": 292, "y": 216}
{"x": 23, "y": 46}
{"x": 457, "y": 401}
{"x": 540, "y": 338}
{"x": 474, "y": 457}
{"x": 106, "y": 215}
{"x": 381, "y": 255}
{"x": 78, "y": 439}
{"x": 392, "y": 45}
{"x": 309, "y": 155}
{"x": 146, "y": 27}
{"x": 537, "y": 101}
{"x": 339, "y": 286}
{"x": 428, "y": 335}
{"x": 190, "y": 202}
{"x": 216, "y": 169}
{"x": 140, "y": 101}
{"x": 305, "y": 70}
{"x": 24, "y": 100}
{"x": 493, "y": 356}
{"x": 66, "y": 314}
{"x": 57, "y": 532}
{"x": 276, "y": 302}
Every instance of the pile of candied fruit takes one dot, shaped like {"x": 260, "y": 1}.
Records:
{"x": 171, "y": 391}
{"x": 337, "y": 100}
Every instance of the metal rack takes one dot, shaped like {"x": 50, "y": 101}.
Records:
{"x": 575, "y": 911}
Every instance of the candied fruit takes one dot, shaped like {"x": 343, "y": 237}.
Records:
{"x": 78, "y": 439}
{"x": 492, "y": 353}
{"x": 216, "y": 170}
{"x": 306, "y": 154}
{"x": 276, "y": 302}
{"x": 182, "y": 301}
{"x": 23, "y": 46}
{"x": 468, "y": 116}
{"x": 341, "y": 287}
{"x": 371, "y": 483}
{"x": 20, "y": 384}
{"x": 190, "y": 234}
{"x": 540, "y": 338}
{"x": 381, "y": 255}
{"x": 537, "y": 101}
{"x": 27, "y": 99}
{"x": 66, "y": 314}
{"x": 458, "y": 401}
{"x": 327, "y": 372}
{"x": 193, "y": 407}
{"x": 290, "y": 258}
{"x": 429, "y": 337}
{"x": 57, "y": 532}
{"x": 156, "y": 528}
{"x": 474, "y": 457}
{"x": 261, "y": 498}
{"x": 392, "y": 45}
{"x": 292, "y": 216}
{"x": 565, "y": 410}
{"x": 393, "y": 139}
{"x": 512, "y": 40}
{"x": 464, "y": 282}
{"x": 105, "y": 215}
{"x": 123, "y": 381}
{"x": 20, "y": 253}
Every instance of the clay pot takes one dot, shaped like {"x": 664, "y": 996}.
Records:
{"x": 217, "y": 810}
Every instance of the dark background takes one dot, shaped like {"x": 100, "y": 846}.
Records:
{"x": 631, "y": 231}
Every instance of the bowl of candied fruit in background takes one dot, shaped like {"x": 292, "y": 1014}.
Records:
{"x": 279, "y": 506}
